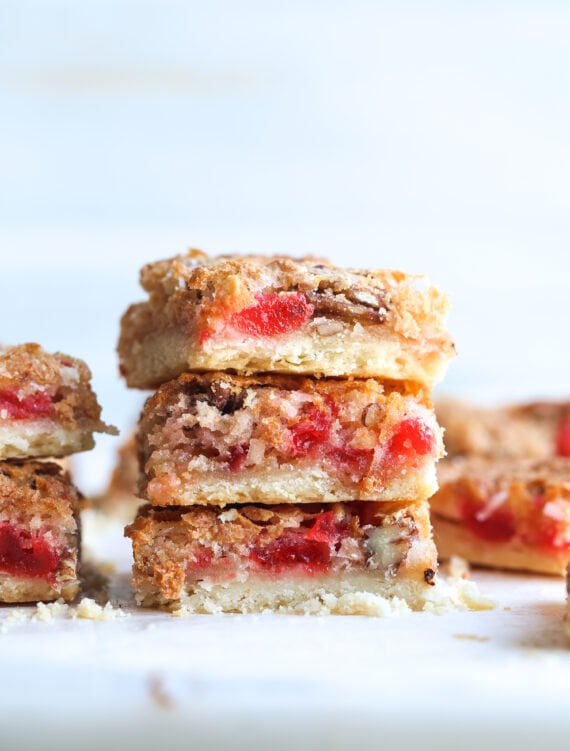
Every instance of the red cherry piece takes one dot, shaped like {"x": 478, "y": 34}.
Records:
{"x": 272, "y": 314}
{"x": 202, "y": 559}
{"x": 563, "y": 439}
{"x": 545, "y": 531}
{"x": 292, "y": 550}
{"x": 35, "y": 405}
{"x": 238, "y": 455}
{"x": 550, "y": 534}
{"x": 311, "y": 432}
{"x": 325, "y": 529}
{"x": 354, "y": 462}
{"x": 26, "y": 554}
{"x": 413, "y": 438}
{"x": 498, "y": 526}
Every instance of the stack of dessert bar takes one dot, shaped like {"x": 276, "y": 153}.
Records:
{"x": 289, "y": 452}
{"x": 47, "y": 409}
{"x": 505, "y": 487}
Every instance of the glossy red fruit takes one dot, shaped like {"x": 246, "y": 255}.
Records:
{"x": 311, "y": 432}
{"x": 412, "y": 438}
{"x": 546, "y": 531}
{"x": 201, "y": 559}
{"x": 26, "y": 554}
{"x": 35, "y": 405}
{"x": 292, "y": 550}
{"x": 272, "y": 314}
{"x": 325, "y": 529}
{"x": 497, "y": 526}
{"x": 355, "y": 462}
{"x": 238, "y": 455}
{"x": 563, "y": 439}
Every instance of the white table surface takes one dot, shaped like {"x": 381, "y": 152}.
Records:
{"x": 461, "y": 680}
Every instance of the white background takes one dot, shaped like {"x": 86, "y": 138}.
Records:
{"x": 432, "y": 137}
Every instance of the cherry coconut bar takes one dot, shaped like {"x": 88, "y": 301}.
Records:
{"x": 345, "y": 558}
{"x": 533, "y": 430}
{"x": 39, "y": 533}
{"x": 47, "y": 406}
{"x": 509, "y": 514}
{"x": 254, "y": 314}
{"x": 219, "y": 439}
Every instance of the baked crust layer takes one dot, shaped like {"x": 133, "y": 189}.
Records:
{"x": 511, "y": 514}
{"x": 39, "y": 533}
{"x": 533, "y": 430}
{"x": 254, "y": 557}
{"x": 277, "y": 314}
{"x": 47, "y": 405}
{"x": 218, "y": 439}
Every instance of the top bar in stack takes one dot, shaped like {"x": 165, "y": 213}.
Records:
{"x": 279, "y": 315}
{"x": 47, "y": 406}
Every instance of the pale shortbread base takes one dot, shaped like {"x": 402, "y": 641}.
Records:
{"x": 288, "y": 485}
{"x": 41, "y": 438}
{"x": 354, "y": 351}
{"x": 452, "y": 538}
{"x": 363, "y": 594}
{"x": 359, "y": 593}
{"x": 15, "y": 589}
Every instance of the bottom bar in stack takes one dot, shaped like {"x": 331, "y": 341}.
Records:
{"x": 510, "y": 514}
{"x": 39, "y": 533}
{"x": 349, "y": 558}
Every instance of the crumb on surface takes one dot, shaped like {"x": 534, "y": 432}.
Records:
{"x": 458, "y": 567}
{"x": 47, "y": 612}
{"x": 471, "y": 637}
{"x": 158, "y": 693}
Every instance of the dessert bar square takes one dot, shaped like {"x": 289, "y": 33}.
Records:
{"x": 534, "y": 430}
{"x": 47, "y": 406}
{"x": 219, "y": 439}
{"x": 39, "y": 533}
{"x": 254, "y": 314}
{"x": 506, "y": 514}
{"x": 348, "y": 558}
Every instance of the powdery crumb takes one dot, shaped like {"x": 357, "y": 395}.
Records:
{"x": 470, "y": 637}
{"x": 457, "y": 594}
{"x": 46, "y": 612}
{"x": 15, "y": 616}
{"x": 158, "y": 693}
{"x": 91, "y": 610}
{"x": 458, "y": 568}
